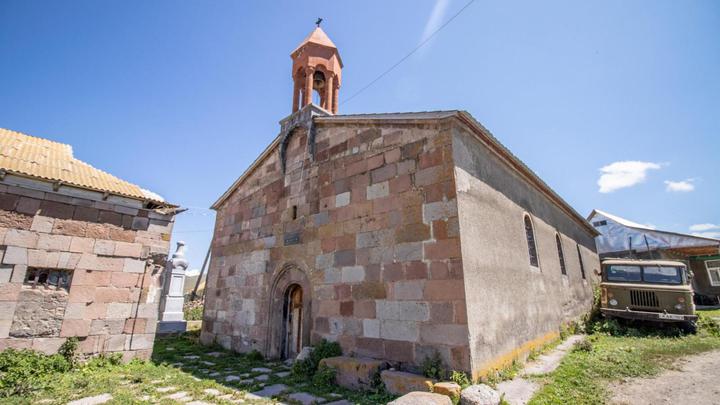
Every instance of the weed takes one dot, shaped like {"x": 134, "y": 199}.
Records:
{"x": 432, "y": 366}
{"x": 69, "y": 350}
{"x": 708, "y": 325}
{"x": 322, "y": 350}
{"x": 502, "y": 374}
{"x": 255, "y": 355}
{"x": 193, "y": 310}
{"x": 460, "y": 378}
{"x": 584, "y": 345}
{"x": 324, "y": 376}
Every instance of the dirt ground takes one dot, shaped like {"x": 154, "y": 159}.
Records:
{"x": 693, "y": 380}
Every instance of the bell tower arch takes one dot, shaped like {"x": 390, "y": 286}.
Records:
{"x": 317, "y": 68}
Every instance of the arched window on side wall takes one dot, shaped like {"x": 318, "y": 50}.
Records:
{"x": 530, "y": 235}
{"x": 582, "y": 265}
{"x": 561, "y": 255}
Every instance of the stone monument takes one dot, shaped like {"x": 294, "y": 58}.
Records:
{"x": 171, "y": 309}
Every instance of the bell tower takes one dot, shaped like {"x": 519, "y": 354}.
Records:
{"x": 316, "y": 67}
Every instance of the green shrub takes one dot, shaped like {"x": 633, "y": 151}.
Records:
{"x": 432, "y": 366}
{"x": 255, "y": 356}
{"x": 69, "y": 350}
{"x": 322, "y": 350}
{"x": 708, "y": 325}
{"x": 103, "y": 360}
{"x": 324, "y": 376}
{"x": 460, "y": 378}
{"x": 584, "y": 345}
{"x": 24, "y": 371}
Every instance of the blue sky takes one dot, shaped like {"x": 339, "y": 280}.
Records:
{"x": 615, "y": 104}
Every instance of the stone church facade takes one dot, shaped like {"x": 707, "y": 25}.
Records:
{"x": 397, "y": 235}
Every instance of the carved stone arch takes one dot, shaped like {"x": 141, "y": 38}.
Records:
{"x": 287, "y": 136}
{"x": 286, "y": 279}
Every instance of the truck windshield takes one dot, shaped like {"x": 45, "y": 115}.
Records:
{"x": 662, "y": 274}
{"x": 624, "y": 273}
{"x": 648, "y": 274}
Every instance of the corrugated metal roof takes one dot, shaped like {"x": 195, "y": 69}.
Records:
{"x": 48, "y": 160}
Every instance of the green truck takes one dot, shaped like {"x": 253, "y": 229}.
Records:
{"x": 648, "y": 290}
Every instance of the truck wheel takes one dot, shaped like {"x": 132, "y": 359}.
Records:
{"x": 689, "y": 327}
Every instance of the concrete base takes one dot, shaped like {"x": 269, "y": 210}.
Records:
{"x": 165, "y": 327}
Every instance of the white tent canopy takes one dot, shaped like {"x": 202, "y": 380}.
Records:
{"x": 618, "y": 234}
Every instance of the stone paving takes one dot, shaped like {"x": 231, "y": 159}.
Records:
{"x": 520, "y": 389}
{"x": 184, "y": 375}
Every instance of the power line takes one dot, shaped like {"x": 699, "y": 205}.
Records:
{"x": 420, "y": 45}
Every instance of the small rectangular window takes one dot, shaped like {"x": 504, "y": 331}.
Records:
{"x": 713, "y": 269}
{"x": 600, "y": 223}
{"x": 48, "y": 279}
{"x": 294, "y": 212}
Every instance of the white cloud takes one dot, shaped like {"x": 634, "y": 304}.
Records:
{"x": 436, "y": 18}
{"x": 704, "y": 227}
{"x": 192, "y": 272}
{"x": 683, "y": 186}
{"x": 624, "y": 174}
{"x": 714, "y": 234}
{"x": 706, "y": 230}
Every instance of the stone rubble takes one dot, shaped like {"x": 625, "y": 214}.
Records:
{"x": 479, "y": 394}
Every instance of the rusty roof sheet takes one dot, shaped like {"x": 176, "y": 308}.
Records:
{"x": 48, "y": 160}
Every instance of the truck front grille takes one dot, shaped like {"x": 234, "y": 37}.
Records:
{"x": 645, "y": 299}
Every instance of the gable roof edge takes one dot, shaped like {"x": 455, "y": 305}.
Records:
{"x": 517, "y": 165}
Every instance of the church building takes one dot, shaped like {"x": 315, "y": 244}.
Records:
{"x": 398, "y": 235}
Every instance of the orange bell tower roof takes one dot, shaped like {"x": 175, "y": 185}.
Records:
{"x": 317, "y": 69}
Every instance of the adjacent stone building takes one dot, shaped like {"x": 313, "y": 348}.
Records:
{"x": 81, "y": 252}
{"x": 398, "y": 235}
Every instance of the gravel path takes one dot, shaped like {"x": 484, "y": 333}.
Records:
{"x": 693, "y": 381}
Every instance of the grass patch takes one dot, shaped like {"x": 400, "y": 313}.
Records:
{"x": 178, "y": 361}
{"x": 585, "y": 373}
{"x": 713, "y": 313}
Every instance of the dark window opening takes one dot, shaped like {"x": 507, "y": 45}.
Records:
{"x": 294, "y": 212}
{"x": 582, "y": 265}
{"x": 49, "y": 279}
{"x": 600, "y": 223}
{"x": 530, "y": 235}
{"x": 561, "y": 255}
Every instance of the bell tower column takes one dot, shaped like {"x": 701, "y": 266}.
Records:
{"x": 336, "y": 88}
{"x": 296, "y": 95}
{"x": 329, "y": 92}
{"x": 307, "y": 91}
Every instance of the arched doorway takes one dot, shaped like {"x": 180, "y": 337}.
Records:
{"x": 290, "y": 314}
{"x": 292, "y": 321}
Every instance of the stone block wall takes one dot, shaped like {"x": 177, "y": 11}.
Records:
{"x": 112, "y": 254}
{"x": 369, "y": 228}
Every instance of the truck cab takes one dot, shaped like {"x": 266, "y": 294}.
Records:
{"x": 649, "y": 290}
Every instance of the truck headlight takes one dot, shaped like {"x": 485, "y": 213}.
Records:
{"x": 679, "y": 306}
{"x": 613, "y": 302}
